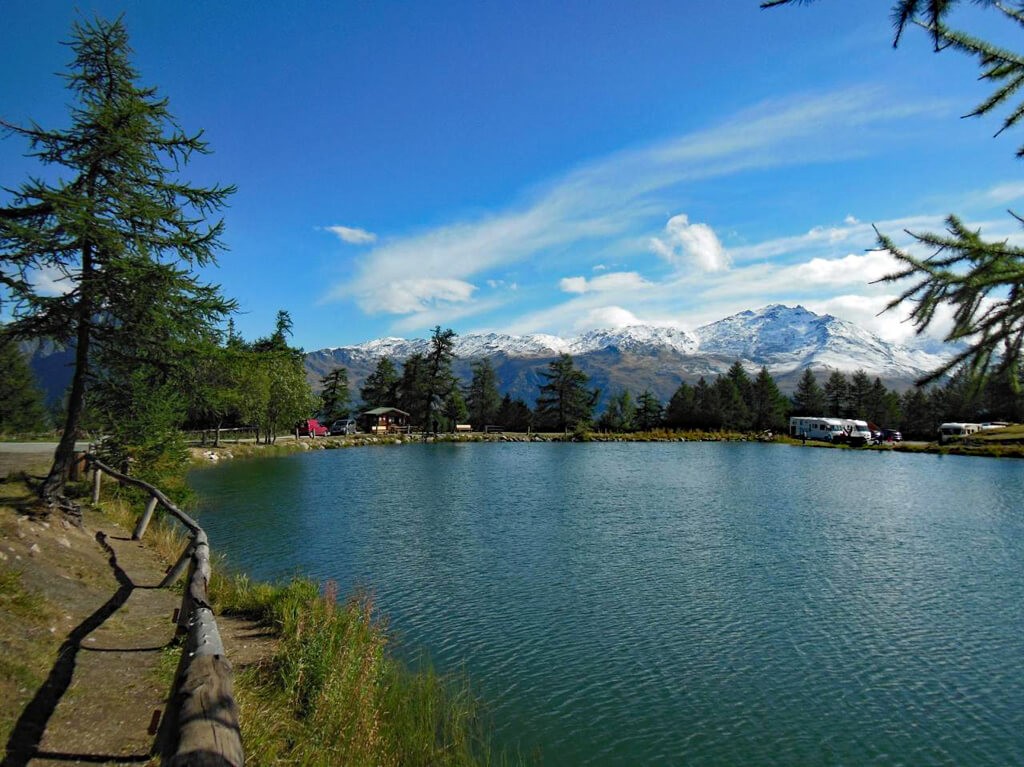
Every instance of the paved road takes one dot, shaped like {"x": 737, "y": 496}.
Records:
{"x": 36, "y": 447}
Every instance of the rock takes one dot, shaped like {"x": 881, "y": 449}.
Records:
{"x": 34, "y": 549}
{"x": 63, "y": 541}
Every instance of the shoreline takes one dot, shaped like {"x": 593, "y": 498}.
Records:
{"x": 209, "y": 455}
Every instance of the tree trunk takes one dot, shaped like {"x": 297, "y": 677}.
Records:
{"x": 64, "y": 456}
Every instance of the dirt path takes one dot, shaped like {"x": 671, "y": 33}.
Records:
{"x": 86, "y": 639}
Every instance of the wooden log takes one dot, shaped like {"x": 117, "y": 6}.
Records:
{"x": 97, "y": 477}
{"x": 207, "y": 715}
{"x": 179, "y": 567}
{"x": 166, "y": 502}
{"x": 187, "y": 599}
{"x": 147, "y": 515}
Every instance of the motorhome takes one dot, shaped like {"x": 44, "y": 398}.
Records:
{"x": 858, "y": 432}
{"x": 817, "y": 427}
{"x": 951, "y": 431}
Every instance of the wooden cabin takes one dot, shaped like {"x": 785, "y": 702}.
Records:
{"x": 384, "y": 420}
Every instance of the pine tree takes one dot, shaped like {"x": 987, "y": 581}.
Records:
{"x": 21, "y": 401}
{"x": 767, "y": 409}
{"x": 619, "y": 415}
{"x": 380, "y": 389}
{"x": 115, "y": 222}
{"x": 414, "y": 390}
{"x": 439, "y": 379}
{"x": 483, "y": 399}
{"x": 335, "y": 396}
{"x": 979, "y": 279}
{"x": 859, "y": 397}
{"x": 514, "y": 414}
{"x": 680, "y": 411}
{"x": 808, "y": 399}
{"x": 565, "y": 402}
{"x": 837, "y": 392}
{"x": 649, "y": 412}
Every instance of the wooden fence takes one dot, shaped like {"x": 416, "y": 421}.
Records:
{"x": 200, "y": 726}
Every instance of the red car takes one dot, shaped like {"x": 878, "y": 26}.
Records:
{"x": 312, "y": 428}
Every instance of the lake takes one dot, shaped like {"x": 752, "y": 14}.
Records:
{"x": 669, "y": 603}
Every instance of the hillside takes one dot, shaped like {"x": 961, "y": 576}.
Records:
{"x": 786, "y": 340}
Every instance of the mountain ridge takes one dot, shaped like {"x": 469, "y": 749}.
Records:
{"x": 785, "y": 340}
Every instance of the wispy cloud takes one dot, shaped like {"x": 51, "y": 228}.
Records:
{"x": 622, "y": 195}
{"x": 352, "y": 235}
{"x": 614, "y": 281}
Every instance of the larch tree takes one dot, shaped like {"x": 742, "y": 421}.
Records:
{"x": 439, "y": 378}
{"x": 21, "y": 401}
{"x": 565, "y": 402}
{"x": 113, "y": 223}
{"x": 483, "y": 398}
{"x": 981, "y": 280}
{"x": 380, "y": 389}
{"x": 335, "y": 398}
{"x": 808, "y": 399}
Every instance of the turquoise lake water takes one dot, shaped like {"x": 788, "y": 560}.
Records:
{"x": 674, "y": 603}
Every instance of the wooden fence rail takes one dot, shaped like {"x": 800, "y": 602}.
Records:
{"x": 200, "y": 726}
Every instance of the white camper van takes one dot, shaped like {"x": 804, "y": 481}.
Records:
{"x": 951, "y": 431}
{"x": 816, "y": 427}
{"x": 858, "y": 432}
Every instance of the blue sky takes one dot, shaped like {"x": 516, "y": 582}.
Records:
{"x": 531, "y": 168}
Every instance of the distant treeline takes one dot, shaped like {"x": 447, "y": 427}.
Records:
{"x": 426, "y": 388}
{"x": 262, "y": 383}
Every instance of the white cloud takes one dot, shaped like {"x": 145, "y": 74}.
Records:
{"x": 607, "y": 317}
{"x": 614, "y": 281}
{"x": 617, "y": 197}
{"x": 851, "y": 269}
{"x": 685, "y": 244}
{"x": 51, "y": 281}
{"x": 352, "y": 235}
{"x": 413, "y": 295}
{"x": 851, "y": 220}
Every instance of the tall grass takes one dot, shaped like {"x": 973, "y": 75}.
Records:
{"x": 332, "y": 693}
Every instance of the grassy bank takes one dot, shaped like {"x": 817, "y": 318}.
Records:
{"x": 331, "y": 692}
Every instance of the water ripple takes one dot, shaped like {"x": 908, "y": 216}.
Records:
{"x": 685, "y": 603}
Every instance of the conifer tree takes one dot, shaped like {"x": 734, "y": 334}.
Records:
{"x": 837, "y": 392}
{"x": 649, "y": 411}
{"x": 620, "y": 413}
{"x": 565, "y": 402}
{"x": 767, "y": 407}
{"x": 21, "y": 401}
{"x": 979, "y": 279}
{"x": 380, "y": 389}
{"x": 808, "y": 399}
{"x": 335, "y": 396}
{"x": 438, "y": 379}
{"x": 514, "y": 414}
{"x": 483, "y": 399}
{"x": 680, "y": 411}
{"x": 111, "y": 218}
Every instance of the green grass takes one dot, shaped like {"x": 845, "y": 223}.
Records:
{"x": 333, "y": 694}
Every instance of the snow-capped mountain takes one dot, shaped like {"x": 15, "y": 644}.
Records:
{"x": 786, "y": 340}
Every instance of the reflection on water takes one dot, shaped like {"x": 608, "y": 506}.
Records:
{"x": 699, "y": 603}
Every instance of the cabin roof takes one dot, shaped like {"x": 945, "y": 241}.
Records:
{"x": 384, "y": 411}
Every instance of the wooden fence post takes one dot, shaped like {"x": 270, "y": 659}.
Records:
{"x": 140, "y": 528}
{"x": 97, "y": 477}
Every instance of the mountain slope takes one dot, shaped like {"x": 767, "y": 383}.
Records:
{"x": 786, "y": 340}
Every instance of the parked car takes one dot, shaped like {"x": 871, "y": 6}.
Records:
{"x": 890, "y": 435}
{"x": 344, "y": 426}
{"x": 312, "y": 428}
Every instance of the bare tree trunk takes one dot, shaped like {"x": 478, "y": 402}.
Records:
{"x": 64, "y": 456}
